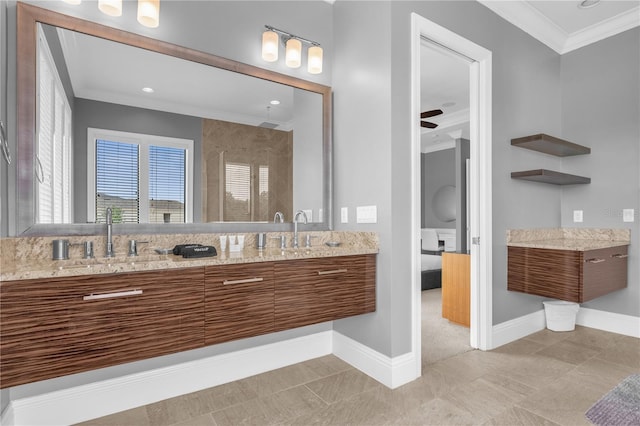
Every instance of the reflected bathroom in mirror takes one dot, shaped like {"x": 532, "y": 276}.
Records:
{"x": 250, "y": 142}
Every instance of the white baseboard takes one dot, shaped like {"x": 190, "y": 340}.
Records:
{"x": 609, "y": 321}
{"x": 520, "y": 327}
{"x": 99, "y": 399}
{"x": 517, "y": 328}
{"x": 391, "y": 372}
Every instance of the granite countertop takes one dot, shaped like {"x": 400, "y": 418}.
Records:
{"x": 150, "y": 262}
{"x": 574, "y": 239}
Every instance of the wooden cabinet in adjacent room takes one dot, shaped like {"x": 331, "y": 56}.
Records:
{"x": 239, "y": 301}
{"x": 57, "y": 326}
{"x": 310, "y": 291}
{"x": 456, "y": 288}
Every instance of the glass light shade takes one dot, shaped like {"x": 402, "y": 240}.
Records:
{"x": 110, "y": 7}
{"x": 270, "y": 46}
{"x": 73, "y": 1}
{"x": 149, "y": 13}
{"x": 314, "y": 60}
{"x": 293, "y": 55}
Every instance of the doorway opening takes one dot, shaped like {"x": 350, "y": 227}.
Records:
{"x": 479, "y": 182}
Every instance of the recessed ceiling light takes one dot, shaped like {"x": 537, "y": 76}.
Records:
{"x": 147, "y": 90}
{"x": 275, "y": 102}
{"x": 448, "y": 104}
{"x": 586, "y": 4}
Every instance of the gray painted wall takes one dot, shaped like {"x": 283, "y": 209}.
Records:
{"x": 103, "y": 115}
{"x": 601, "y": 110}
{"x": 439, "y": 169}
{"x": 463, "y": 153}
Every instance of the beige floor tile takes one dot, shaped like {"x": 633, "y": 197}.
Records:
{"x": 591, "y": 337}
{"x": 535, "y": 370}
{"x": 566, "y": 400}
{"x": 570, "y": 352}
{"x": 284, "y": 378}
{"x": 135, "y": 416}
{"x": 548, "y": 337}
{"x": 624, "y": 350}
{"x": 203, "y": 420}
{"x": 343, "y": 385}
{"x": 520, "y": 347}
{"x": 327, "y": 365}
{"x": 278, "y": 408}
{"x": 517, "y": 416}
{"x": 435, "y": 412}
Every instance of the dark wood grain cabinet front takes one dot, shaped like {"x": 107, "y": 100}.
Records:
{"x": 58, "y": 326}
{"x": 311, "y": 291}
{"x": 573, "y": 276}
{"x": 239, "y": 301}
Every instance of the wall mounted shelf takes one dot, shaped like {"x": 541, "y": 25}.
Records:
{"x": 550, "y": 145}
{"x": 549, "y": 176}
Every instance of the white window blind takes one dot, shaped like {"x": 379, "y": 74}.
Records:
{"x": 54, "y": 152}
{"x": 238, "y": 192}
{"x": 143, "y": 178}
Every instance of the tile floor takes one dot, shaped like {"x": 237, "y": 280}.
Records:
{"x": 547, "y": 378}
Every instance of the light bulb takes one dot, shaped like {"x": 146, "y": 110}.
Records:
{"x": 293, "y": 55}
{"x": 149, "y": 13}
{"x": 270, "y": 46}
{"x": 110, "y": 7}
{"x": 314, "y": 60}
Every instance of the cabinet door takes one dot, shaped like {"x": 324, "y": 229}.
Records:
{"x": 456, "y": 288}
{"x": 239, "y": 301}
{"x": 58, "y": 326}
{"x": 604, "y": 271}
{"x": 324, "y": 289}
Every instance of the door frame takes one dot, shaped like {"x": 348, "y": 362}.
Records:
{"x": 480, "y": 113}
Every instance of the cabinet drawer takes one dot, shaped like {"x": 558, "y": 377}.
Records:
{"x": 318, "y": 290}
{"x": 604, "y": 271}
{"x": 239, "y": 301}
{"x": 68, "y": 325}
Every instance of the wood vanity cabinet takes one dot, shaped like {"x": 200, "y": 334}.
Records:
{"x": 573, "y": 276}
{"x": 57, "y": 326}
{"x": 239, "y": 301}
{"x": 310, "y": 291}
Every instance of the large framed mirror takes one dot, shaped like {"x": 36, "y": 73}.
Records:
{"x": 244, "y": 157}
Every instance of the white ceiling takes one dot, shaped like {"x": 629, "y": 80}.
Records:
{"x": 559, "y": 24}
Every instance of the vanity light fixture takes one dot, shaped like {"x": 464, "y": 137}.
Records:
{"x": 110, "y": 7}
{"x": 149, "y": 13}
{"x": 293, "y": 49}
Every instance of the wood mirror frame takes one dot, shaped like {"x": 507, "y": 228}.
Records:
{"x": 28, "y": 17}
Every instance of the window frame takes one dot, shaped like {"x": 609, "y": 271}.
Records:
{"x": 144, "y": 141}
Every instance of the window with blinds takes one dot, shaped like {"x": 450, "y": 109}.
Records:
{"x": 143, "y": 178}
{"x": 54, "y": 139}
{"x": 246, "y": 192}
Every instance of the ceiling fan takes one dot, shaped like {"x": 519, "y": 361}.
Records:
{"x": 427, "y": 114}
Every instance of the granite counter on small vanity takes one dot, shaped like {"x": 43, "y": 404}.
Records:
{"x": 574, "y": 239}
{"x": 29, "y": 258}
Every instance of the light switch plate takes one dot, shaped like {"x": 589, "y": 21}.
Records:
{"x": 628, "y": 215}
{"x": 367, "y": 214}
{"x": 309, "y": 214}
{"x": 577, "y": 215}
{"x": 344, "y": 215}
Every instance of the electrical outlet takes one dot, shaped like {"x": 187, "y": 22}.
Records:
{"x": 344, "y": 215}
{"x": 577, "y": 215}
{"x": 627, "y": 215}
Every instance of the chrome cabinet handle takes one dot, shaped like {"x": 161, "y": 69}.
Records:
{"x": 620, "y": 256}
{"x": 595, "y": 260}
{"x": 335, "y": 271}
{"x": 5, "y": 143}
{"x": 122, "y": 293}
{"x": 244, "y": 281}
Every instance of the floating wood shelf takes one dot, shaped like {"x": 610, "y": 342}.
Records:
{"x": 550, "y": 145}
{"x": 549, "y": 176}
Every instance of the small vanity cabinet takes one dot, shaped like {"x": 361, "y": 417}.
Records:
{"x": 310, "y": 291}
{"x": 570, "y": 275}
{"x": 57, "y": 326}
{"x": 239, "y": 301}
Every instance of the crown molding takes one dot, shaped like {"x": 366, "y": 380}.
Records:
{"x": 536, "y": 24}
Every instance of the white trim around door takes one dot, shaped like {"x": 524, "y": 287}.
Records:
{"x": 480, "y": 179}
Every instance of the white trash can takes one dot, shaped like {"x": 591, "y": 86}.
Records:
{"x": 561, "y": 315}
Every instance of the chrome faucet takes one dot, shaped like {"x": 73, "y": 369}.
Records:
{"x": 278, "y": 217}
{"x": 109, "y": 251}
{"x": 295, "y": 226}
